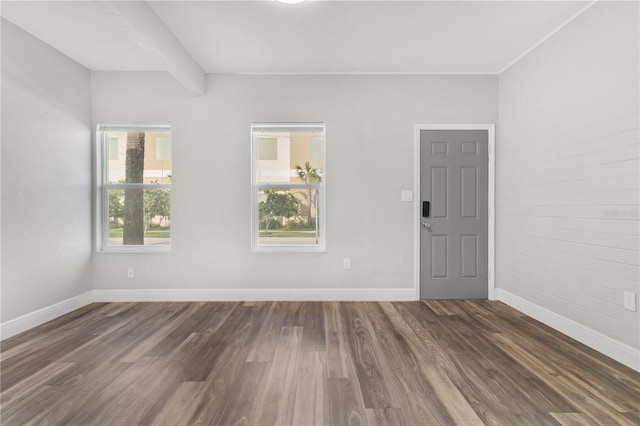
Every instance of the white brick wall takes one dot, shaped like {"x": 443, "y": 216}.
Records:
{"x": 567, "y": 172}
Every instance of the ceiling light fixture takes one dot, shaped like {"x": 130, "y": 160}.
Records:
{"x": 291, "y": 1}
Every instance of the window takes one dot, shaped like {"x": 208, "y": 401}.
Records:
{"x": 288, "y": 183}
{"x": 134, "y": 187}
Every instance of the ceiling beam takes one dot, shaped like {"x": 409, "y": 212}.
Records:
{"x": 149, "y": 32}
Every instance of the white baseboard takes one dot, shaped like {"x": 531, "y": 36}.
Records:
{"x": 619, "y": 351}
{"x": 297, "y": 294}
{"x": 612, "y": 348}
{"x": 36, "y": 318}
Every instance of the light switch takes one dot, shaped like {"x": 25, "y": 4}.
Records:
{"x": 630, "y": 301}
{"x": 406, "y": 195}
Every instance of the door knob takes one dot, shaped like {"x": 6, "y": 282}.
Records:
{"x": 426, "y": 225}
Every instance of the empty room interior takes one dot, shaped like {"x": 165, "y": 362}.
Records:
{"x": 383, "y": 212}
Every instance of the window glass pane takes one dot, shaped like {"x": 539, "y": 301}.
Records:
{"x": 297, "y": 156}
{"x": 113, "y": 149}
{"x": 268, "y": 149}
{"x": 139, "y": 216}
{"x": 138, "y": 156}
{"x": 288, "y": 217}
{"x": 315, "y": 150}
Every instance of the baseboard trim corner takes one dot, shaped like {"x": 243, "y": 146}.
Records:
{"x": 43, "y": 315}
{"x": 619, "y": 351}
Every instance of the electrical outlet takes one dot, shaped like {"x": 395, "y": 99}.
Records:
{"x": 630, "y": 301}
{"x": 131, "y": 272}
{"x": 346, "y": 263}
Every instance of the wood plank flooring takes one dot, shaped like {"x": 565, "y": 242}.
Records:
{"x": 309, "y": 363}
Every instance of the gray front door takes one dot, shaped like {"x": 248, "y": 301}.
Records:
{"x": 453, "y": 233}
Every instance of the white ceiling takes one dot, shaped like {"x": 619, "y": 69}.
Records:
{"x": 313, "y": 37}
{"x": 357, "y": 36}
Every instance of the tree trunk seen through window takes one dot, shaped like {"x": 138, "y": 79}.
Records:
{"x": 133, "y": 232}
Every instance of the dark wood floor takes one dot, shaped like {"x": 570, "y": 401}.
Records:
{"x": 304, "y": 363}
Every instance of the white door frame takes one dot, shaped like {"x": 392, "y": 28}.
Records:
{"x": 490, "y": 128}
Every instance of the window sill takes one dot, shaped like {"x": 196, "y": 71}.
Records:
{"x": 135, "y": 249}
{"x": 288, "y": 249}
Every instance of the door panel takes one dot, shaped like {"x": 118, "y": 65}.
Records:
{"x": 469, "y": 244}
{"x": 439, "y": 189}
{"x": 439, "y": 256}
{"x": 469, "y": 189}
{"x": 454, "y": 238}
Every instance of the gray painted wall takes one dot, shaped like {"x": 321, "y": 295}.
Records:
{"x": 46, "y": 175}
{"x": 370, "y": 145}
{"x": 567, "y": 172}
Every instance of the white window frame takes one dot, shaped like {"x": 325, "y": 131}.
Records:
{"x": 256, "y": 187}
{"x": 103, "y": 186}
